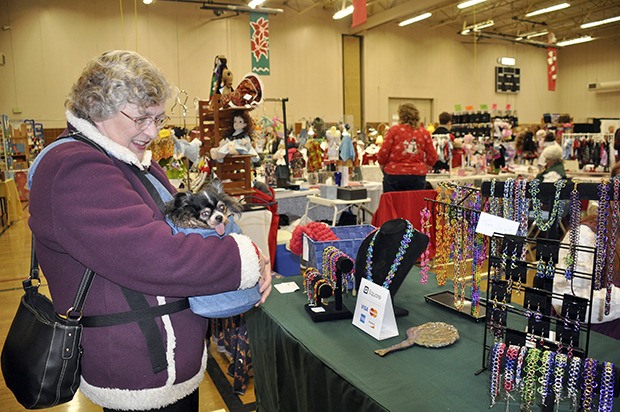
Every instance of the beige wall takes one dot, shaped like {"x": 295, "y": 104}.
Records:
{"x": 49, "y": 42}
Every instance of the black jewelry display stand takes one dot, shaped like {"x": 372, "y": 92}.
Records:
{"x": 445, "y": 298}
{"x": 332, "y": 310}
{"x": 570, "y": 325}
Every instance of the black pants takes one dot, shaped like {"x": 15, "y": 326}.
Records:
{"x": 188, "y": 404}
{"x": 401, "y": 183}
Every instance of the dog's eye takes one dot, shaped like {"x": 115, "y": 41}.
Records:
{"x": 221, "y": 207}
{"x": 205, "y": 214}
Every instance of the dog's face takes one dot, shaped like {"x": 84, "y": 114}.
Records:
{"x": 209, "y": 208}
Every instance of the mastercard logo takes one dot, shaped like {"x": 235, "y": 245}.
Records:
{"x": 373, "y": 312}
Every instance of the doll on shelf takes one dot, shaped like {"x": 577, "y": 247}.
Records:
{"x": 240, "y": 142}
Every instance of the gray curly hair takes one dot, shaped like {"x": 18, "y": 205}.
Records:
{"x": 114, "y": 79}
{"x": 409, "y": 114}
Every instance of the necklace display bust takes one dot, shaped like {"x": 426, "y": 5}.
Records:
{"x": 387, "y": 255}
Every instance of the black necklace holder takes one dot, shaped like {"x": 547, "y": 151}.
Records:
{"x": 385, "y": 249}
{"x": 332, "y": 310}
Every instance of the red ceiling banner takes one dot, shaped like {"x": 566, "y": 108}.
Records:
{"x": 552, "y": 68}
{"x": 359, "y": 12}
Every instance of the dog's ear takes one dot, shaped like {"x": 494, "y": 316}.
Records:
{"x": 217, "y": 186}
{"x": 181, "y": 199}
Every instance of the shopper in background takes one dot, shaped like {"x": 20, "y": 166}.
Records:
{"x": 606, "y": 324}
{"x": 407, "y": 152}
{"x": 89, "y": 209}
{"x": 549, "y": 140}
{"x": 553, "y": 166}
{"x": 445, "y": 124}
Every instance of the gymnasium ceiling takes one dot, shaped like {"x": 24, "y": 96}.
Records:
{"x": 509, "y": 16}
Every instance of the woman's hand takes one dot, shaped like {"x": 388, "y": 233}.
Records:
{"x": 264, "y": 281}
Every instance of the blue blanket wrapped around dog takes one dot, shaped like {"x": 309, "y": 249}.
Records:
{"x": 226, "y": 304}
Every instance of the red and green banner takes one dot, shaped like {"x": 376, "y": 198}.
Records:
{"x": 259, "y": 41}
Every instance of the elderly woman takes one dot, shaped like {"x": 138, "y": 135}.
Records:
{"x": 553, "y": 167}
{"x": 90, "y": 208}
{"x": 407, "y": 152}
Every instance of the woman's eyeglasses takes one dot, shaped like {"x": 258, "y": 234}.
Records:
{"x": 143, "y": 122}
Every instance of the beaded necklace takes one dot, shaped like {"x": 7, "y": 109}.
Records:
{"x": 615, "y": 209}
{"x": 425, "y": 261}
{"x": 601, "y": 233}
{"x": 461, "y": 246}
{"x": 574, "y": 227}
{"x": 404, "y": 245}
{"x": 508, "y": 198}
{"x": 537, "y": 205}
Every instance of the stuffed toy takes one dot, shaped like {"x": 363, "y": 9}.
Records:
{"x": 247, "y": 95}
{"x": 227, "y": 81}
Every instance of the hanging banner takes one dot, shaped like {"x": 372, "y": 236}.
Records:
{"x": 259, "y": 41}
{"x": 552, "y": 68}
{"x": 359, "y": 13}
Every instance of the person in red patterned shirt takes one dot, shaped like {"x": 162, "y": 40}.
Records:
{"x": 407, "y": 152}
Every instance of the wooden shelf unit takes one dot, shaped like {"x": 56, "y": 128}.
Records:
{"x": 215, "y": 123}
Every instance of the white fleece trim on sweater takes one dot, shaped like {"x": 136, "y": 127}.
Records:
{"x": 171, "y": 343}
{"x": 250, "y": 265}
{"x": 152, "y": 398}
{"x": 114, "y": 149}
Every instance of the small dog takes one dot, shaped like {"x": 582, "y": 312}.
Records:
{"x": 209, "y": 208}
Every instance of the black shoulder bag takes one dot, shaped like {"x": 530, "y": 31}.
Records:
{"x": 41, "y": 354}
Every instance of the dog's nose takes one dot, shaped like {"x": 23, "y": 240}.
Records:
{"x": 219, "y": 218}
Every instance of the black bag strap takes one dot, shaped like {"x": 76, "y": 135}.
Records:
{"x": 140, "y": 311}
{"x": 75, "y": 312}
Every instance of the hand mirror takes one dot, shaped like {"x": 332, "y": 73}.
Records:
{"x": 431, "y": 335}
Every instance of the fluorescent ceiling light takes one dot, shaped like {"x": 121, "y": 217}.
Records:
{"x": 477, "y": 27}
{"x": 469, "y": 3}
{"x": 415, "y": 19}
{"x": 542, "y": 33}
{"x": 147, "y": 1}
{"x": 600, "y": 22}
{"x": 343, "y": 13}
{"x": 548, "y": 9}
{"x": 484, "y": 25}
{"x": 255, "y": 3}
{"x": 507, "y": 61}
{"x": 574, "y": 41}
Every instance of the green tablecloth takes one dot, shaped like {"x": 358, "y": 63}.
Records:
{"x": 330, "y": 366}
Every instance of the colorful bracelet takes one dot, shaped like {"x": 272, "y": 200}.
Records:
{"x": 520, "y": 359}
{"x": 496, "y": 360}
{"x": 606, "y": 400}
{"x": 528, "y": 394}
{"x": 573, "y": 377}
{"x": 561, "y": 360}
{"x": 588, "y": 385}
{"x": 509, "y": 370}
{"x": 546, "y": 369}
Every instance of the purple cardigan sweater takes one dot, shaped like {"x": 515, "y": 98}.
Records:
{"x": 90, "y": 210}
